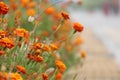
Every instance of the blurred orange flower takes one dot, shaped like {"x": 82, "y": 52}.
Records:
{"x": 7, "y": 42}
{"x": 21, "y": 69}
{"x": 2, "y": 34}
{"x": 31, "y": 4}
{"x": 31, "y": 12}
{"x": 53, "y": 47}
{"x": 10, "y": 76}
{"x": 83, "y": 54}
{"x": 65, "y": 15}
{"x": 50, "y": 10}
{"x": 3, "y": 8}
{"x": 61, "y": 66}
{"x": 45, "y": 76}
{"x": 59, "y": 76}
{"x": 78, "y": 27}
{"x": 24, "y": 3}
{"x": 21, "y": 32}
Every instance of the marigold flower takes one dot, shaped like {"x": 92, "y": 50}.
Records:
{"x": 45, "y": 76}
{"x": 46, "y": 48}
{"x": 39, "y": 58}
{"x": 14, "y": 76}
{"x": 7, "y": 42}
{"x": 65, "y": 15}
{"x": 50, "y": 10}
{"x": 2, "y": 52}
{"x": 21, "y": 69}
{"x": 37, "y": 46}
{"x": 21, "y": 32}
{"x": 10, "y": 76}
{"x": 59, "y": 76}
{"x": 61, "y": 66}
{"x": 53, "y": 47}
{"x": 3, "y": 34}
{"x": 31, "y": 12}
{"x": 78, "y": 27}
{"x": 3, "y": 8}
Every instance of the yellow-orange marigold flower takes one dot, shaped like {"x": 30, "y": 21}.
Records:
{"x": 78, "y": 27}
{"x": 37, "y": 46}
{"x": 45, "y": 76}
{"x": 3, "y": 8}
{"x": 61, "y": 66}
{"x": 39, "y": 58}
{"x": 2, "y": 34}
{"x": 31, "y": 12}
{"x": 65, "y": 15}
{"x": 53, "y": 47}
{"x": 59, "y": 76}
{"x": 10, "y": 76}
{"x": 21, "y": 69}
{"x": 21, "y": 32}
{"x": 7, "y": 42}
{"x": 50, "y": 11}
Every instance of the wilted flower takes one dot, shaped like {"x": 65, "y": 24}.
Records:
{"x": 83, "y": 54}
{"x": 50, "y": 70}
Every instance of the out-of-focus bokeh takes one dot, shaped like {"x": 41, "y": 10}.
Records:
{"x": 101, "y": 19}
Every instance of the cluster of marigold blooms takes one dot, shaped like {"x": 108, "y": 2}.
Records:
{"x": 23, "y": 54}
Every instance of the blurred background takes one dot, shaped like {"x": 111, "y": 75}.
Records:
{"x": 101, "y": 35}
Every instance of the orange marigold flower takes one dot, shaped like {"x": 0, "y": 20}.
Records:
{"x": 31, "y": 12}
{"x": 21, "y": 32}
{"x": 14, "y": 76}
{"x": 59, "y": 76}
{"x": 10, "y": 76}
{"x": 37, "y": 46}
{"x": 50, "y": 10}
{"x": 83, "y": 54}
{"x": 65, "y": 15}
{"x": 3, "y": 34}
{"x": 7, "y": 42}
{"x": 78, "y": 27}
{"x": 21, "y": 69}
{"x": 53, "y": 47}
{"x": 39, "y": 58}
{"x": 2, "y": 52}
{"x": 46, "y": 48}
{"x": 61, "y": 66}
{"x": 3, "y": 8}
{"x": 45, "y": 76}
